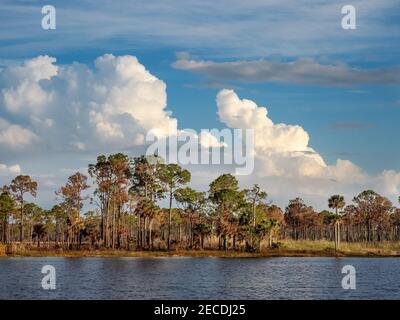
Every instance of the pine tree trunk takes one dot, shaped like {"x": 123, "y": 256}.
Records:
{"x": 169, "y": 221}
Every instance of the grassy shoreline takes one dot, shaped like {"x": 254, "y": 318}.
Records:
{"x": 287, "y": 249}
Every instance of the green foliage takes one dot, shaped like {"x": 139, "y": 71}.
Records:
{"x": 336, "y": 202}
{"x": 173, "y": 175}
{"x": 189, "y": 198}
{"x": 7, "y": 205}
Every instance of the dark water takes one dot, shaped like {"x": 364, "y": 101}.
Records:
{"x": 200, "y": 278}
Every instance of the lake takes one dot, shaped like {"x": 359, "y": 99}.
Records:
{"x": 199, "y": 278}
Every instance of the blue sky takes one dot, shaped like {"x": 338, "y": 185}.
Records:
{"x": 355, "y": 120}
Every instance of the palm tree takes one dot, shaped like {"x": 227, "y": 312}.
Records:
{"x": 39, "y": 231}
{"x": 336, "y": 202}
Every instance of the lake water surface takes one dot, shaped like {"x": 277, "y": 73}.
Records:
{"x": 200, "y": 278}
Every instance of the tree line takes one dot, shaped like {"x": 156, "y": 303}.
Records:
{"x": 127, "y": 215}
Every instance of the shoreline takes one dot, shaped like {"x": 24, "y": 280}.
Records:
{"x": 287, "y": 248}
{"x": 197, "y": 254}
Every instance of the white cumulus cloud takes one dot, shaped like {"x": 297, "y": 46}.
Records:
{"x": 285, "y": 163}
{"x": 281, "y": 149}
{"x": 9, "y": 170}
{"x": 78, "y": 107}
{"x": 14, "y": 137}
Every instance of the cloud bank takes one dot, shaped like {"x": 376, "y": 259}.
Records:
{"x": 301, "y": 71}
{"x": 237, "y": 28}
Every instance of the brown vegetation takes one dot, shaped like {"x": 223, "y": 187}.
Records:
{"x": 126, "y": 218}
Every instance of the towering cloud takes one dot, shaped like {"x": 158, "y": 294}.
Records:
{"x": 281, "y": 149}
{"x": 287, "y": 165}
{"x": 116, "y": 103}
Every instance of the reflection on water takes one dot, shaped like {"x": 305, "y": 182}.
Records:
{"x": 200, "y": 278}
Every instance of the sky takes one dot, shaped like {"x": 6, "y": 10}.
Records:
{"x": 323, "y": 101}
